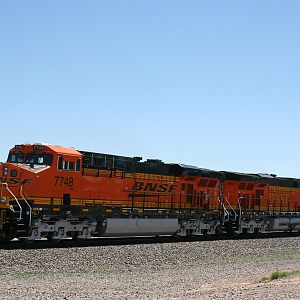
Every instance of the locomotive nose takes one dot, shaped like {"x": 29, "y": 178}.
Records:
{"x": 3, "y": 172}
{"x": 10, "y": 181}
{"x": 3, "y": 199}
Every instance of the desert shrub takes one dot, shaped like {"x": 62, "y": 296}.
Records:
{"x": 277, "y": 274}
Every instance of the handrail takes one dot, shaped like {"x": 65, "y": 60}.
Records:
{"x": 240, "y": 209}
{"x": 235, "y": 214}
{"x": 226, "y": 213}
{"x": 30, "y": 208}
{"x": 6, "y": 185}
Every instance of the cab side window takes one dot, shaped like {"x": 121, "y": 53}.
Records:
{"x": 60, "y": 163}
{"x": 71, "y": 165}
{"x": 68, "y": 165}
{"x": 78, "y": 165}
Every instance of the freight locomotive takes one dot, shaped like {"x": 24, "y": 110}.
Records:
{"x": 55, "y": 192}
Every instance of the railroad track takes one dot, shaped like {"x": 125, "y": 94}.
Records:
{"x": 96, "y": 242}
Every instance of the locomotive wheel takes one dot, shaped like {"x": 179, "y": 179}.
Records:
{"x": 75, "y": 237}
{"x": 7, "y": 238}
{"x": 219, "y": 230}
{"x": 9, "y": 232}
{"x": 229, "y": 228}
{"x": 26, "y": 241}
{"x": 256, "y": 232}
{"x": 51, "y": 239}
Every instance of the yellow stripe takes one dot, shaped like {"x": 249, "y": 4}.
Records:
{"x": 282, "y": 188}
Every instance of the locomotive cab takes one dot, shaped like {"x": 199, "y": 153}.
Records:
{"x": 40, "y": 169}
{"x": 31, "y": 171}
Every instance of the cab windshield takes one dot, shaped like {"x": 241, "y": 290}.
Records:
{"x": 16, "y": 158}
{"x": 39, "y": 159}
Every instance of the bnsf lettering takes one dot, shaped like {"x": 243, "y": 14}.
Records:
{"x": 154, "y": 187}
{"x": 16, "y": 180}
{"x": 26, "y": 180}
{"x": 138, "y": 186}
{"x": 163, "y": 188}
{"x": 150, "y": 187}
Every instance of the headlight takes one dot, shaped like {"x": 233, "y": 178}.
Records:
{"x": 3, "y": 200}
{"x": 5, "y": 171}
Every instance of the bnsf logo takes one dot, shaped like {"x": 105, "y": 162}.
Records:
{"x": 154, "y": 187}
{"x": 15, "y": 180}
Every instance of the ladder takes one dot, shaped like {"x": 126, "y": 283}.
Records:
{"x": 4, "y": 184}
{"x": 22, "y": 210}
{"x": 2, "y": 220}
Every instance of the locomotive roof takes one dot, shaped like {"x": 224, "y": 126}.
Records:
{"x": 156, "y": 166}
{"x": 63, "y": 150}
{"x": 263, "y": 178}
{"x": 188, "y": 170}
{"x": 41, "y": 146}
{"x": 134, "y": 164}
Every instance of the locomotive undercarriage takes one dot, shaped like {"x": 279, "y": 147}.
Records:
{"x": 58, "y": 230}
{"x": 34, "y": 225}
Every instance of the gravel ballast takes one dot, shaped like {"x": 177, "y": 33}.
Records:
{"x": 224, "y": 269}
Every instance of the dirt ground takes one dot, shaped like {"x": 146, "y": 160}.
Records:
{"x": 230, "y": 269}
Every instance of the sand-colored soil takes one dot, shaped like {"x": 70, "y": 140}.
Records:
{"x": 196, "y": 270}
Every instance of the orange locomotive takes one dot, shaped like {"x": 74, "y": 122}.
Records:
{"x": 56, "y": 192}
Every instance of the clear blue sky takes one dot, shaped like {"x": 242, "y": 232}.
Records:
{"x": 210, "y": 83}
